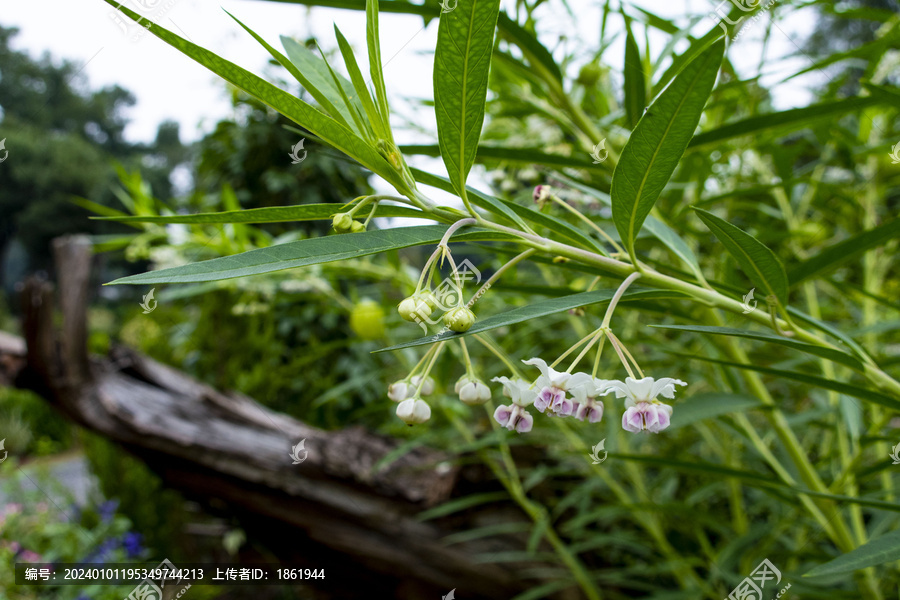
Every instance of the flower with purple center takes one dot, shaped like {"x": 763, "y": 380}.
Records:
{"x": 552, "y": 386}
{"x": 586, "y": 405}
{"x": 514, "y": 417}
{"x": 643, "y": 412}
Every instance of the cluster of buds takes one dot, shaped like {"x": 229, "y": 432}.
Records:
{"x": 344, "y": 223}
{"x": 411, "y": 409}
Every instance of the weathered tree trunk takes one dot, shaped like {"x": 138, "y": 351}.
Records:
{"x": 331, "y": 511}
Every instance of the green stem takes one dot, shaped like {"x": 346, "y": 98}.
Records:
{"x": 536, "y": 512}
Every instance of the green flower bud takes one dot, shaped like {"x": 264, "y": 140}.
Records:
{"x": 412, "y": 307}
{"x": 357, "y": 227}
{"x": 459, "y": 319}
{"x": 342, "y": 222}
{"x": 429, "y": 299}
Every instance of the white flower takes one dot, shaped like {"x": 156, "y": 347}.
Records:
{"x": 553, "y": 385}
{"x": 644, "y": 390}
{"x": 586, "y": 405}
{"x": 517, "y": 390}
{"x": 472, "y": 391}
{"x": 413, "y": 411}
{"x": 643, "y": 411}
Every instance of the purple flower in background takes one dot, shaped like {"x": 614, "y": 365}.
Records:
{"x": 100, "y": 554}
{"x": 107, "y": 510}
{"x": 131, "y": 541}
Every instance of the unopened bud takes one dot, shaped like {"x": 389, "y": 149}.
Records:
{"x": 542, "y": 194}
{"x": 414, "y": 411}
{"x": 414, "y": 307}
{"x": 427, "y": 387}
{"x": 459, "y": 319}
{"x": 473, "y": 391}
{"x": 399, "y": 391}
{"x": 357, "y": 227}
{"x": 342, "y": 222}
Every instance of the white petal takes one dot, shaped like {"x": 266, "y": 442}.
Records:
{"x": 619, "y": 388}
{"x": 580, "y": 379}
{"x": 665, "y": 387}
{"x": 580, "y": 393}
{"x": 601, "y": 387}
{"x": 540, "y": 364}
{"x": 639, "y": 388}
{"x": 507, "y": 384}
{"x": 421, "y": 411}
{"x": 398, "y": 391}
{"x": 461, "y": 382}
{"x": 523, "y": 394}
{"x": 405, "y": 409}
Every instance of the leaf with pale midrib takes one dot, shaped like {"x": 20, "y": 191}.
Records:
{"x": 658, "y": 141}
{"x": 304, "y": 252}
{"x": 462, "y": 61}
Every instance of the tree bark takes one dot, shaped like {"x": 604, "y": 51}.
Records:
{"x": 334, "y": 510}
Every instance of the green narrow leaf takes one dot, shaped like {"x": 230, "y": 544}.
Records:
{"x": 359, "y": 84}
{"x": 274, "y": 214}
{"x": 284, "y": 61}
{"x": 820, "y": 351}
{"x": 540, "y": 309}
{"x": 696, "y": 48}
{"x": 826, "y": 384}
{"x": 709, "y": 405}
{"x": 493, "y": 205}
{"x": 675, "y": 243}
{"x": 842, "y": 252}
{"x": 317, "y": 72}
{"x": 875, "y": 552}
{"x": 302, "y": 113}
{"x": 531, "y": 47}
{"x": 657, "y": 143}
{"x": 757, "y": 261}
{"x": 515, "y": 212}
{"x": 350, "y": 100}
{"x": 526, "y": 156}
{"x": 462, "y": 61}
{"x": 375, "y": 68}
{"x": 635, "y": 84}
{"x": 795, "y": 118}
{"x": 458, "y": 504}
{"x": 304, "y": 252}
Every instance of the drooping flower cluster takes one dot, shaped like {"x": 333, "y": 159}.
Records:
{"x": 554, "y": 393}
{"x": 564, "y": 394}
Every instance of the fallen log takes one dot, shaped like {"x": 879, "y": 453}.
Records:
{"x": 334, "y": 510}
